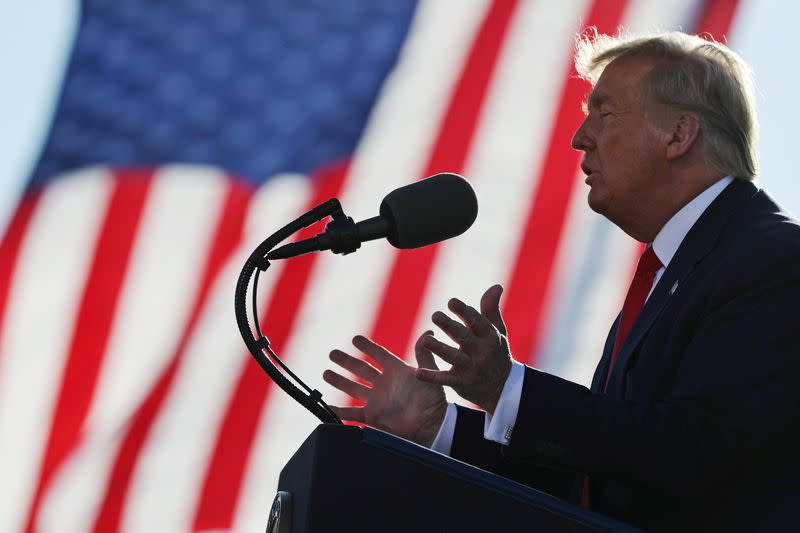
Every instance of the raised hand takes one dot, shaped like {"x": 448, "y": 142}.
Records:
{"x": 394, "y": 399}
{"x": 482, "y": 361}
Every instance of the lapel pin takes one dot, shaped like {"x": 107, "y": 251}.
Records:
{"x": 673, "y": 289}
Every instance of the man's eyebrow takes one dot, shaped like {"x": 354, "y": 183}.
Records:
{"x": 596, "y": 99}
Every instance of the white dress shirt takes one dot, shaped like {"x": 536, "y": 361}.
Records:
{"x": 499, "y": 426}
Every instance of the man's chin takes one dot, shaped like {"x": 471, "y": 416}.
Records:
{"x": 597, "y": 202}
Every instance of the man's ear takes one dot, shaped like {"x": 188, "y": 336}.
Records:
{"x": 685, "y": 129}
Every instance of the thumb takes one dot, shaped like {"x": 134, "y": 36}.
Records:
{"x": 424, "y": 356}
{"x": 490, "y": 307}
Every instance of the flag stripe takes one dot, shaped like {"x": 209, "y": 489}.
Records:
{"x": 163, "y": 267}
{"x": 411, "y": 269}
{"x": 716, "y": 18}
{"x": 180, "y": 442}
{"x": 152, "y": 307}
{"x": 531, "y": 276}
{"x": 226, "y": 237}
{"x": 95, "y": 316}
{"x": 220, "y": 491}
{"x": 508, "y": 145}
{"x": 64, "y": 226}
{"x": 588, "y": 282}
{"x": 9, "y": 250}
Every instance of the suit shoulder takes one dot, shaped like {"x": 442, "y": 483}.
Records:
{"x": 763, "y": 229}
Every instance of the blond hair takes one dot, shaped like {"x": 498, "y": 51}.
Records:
{"x": 692, "y": 74}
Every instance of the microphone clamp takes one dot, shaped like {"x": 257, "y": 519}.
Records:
{"x": 341, "y": 236}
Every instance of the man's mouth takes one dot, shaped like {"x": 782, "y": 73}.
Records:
{"x": 590, "y": 173}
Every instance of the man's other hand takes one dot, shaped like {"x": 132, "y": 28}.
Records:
{"x": 394, "y": 399}
{"x": 482, "y": 361}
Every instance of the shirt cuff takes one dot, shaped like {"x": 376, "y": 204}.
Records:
{"x": 499, "y": 426}
{"x": 444, "y": 439}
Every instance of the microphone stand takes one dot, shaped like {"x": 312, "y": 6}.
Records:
{"x": 400, "y": 222}
{"x": 258, "y": 344}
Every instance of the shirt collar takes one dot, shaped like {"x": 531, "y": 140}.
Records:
{"x": 672, "y": 234}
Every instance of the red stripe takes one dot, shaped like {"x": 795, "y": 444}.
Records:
{"x": 9, "y": 250}
{"x": 531, "y": 276}
{"x": 226, "y": 236}
{"x": 410, "y": 272}
{"x": 716, "y": 18}
{"x": 223, "y": 480}
{"x": 97, "y": 308}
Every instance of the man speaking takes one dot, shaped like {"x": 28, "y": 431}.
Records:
{"x": 691, "y": 419}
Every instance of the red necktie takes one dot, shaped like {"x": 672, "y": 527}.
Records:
{"x": 634, "y": 302}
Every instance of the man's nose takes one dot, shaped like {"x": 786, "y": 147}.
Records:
{"x": 581, "y": 140}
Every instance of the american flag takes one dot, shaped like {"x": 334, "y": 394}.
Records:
{"x": 185, "y": 133}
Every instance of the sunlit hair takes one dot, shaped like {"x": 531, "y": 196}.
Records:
{"x": 692, "y": 74}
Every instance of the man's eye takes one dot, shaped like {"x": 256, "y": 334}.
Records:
{"x": 605, "y": 114}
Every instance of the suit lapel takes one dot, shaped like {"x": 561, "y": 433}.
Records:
{"x": 697, "y": 244}
{"x": 599, "y": 379}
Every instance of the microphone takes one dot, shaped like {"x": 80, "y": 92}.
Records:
{"x": 425, "y": 212}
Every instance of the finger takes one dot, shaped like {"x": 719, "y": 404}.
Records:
{"x": 454, "y": 329}
{"x": 454, "y": 356}
{"x": 353, "y": 414}
{"x": 357, "y": 366}
{"x": 490, "y": 307}
{"x": 471, "y": 317}
{"x": 424, "y": 355}
{"x": 378, "y": 353}
{"x": 438, "y": 377}
{"x": 347, "y": 386}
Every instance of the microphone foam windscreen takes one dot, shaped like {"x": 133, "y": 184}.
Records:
{"x": 430, "y": 210}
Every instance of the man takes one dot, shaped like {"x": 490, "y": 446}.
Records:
{"x": 690, "y": 422}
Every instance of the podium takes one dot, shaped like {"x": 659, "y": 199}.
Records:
{"x": 344, "y": 478}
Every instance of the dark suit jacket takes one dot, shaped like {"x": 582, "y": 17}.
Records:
{"x": 698, "y": 429}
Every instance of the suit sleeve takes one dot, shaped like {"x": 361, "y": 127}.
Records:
{"x": 733, "y": 406}
{"x": 470, "y": 446}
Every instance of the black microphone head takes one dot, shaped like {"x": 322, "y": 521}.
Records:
{"x": 430, "y": 210}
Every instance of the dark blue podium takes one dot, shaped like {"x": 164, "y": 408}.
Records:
{"x": 344, "y": 478}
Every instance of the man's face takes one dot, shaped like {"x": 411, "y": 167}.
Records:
{"x": 624, "y": 153}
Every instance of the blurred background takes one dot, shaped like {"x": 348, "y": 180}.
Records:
{"x": 148, "y": 147}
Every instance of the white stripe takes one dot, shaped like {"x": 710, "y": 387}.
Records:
{"x": 572, "y": 350}
{"x": 592, "y": 312}
{"x": 166, "y": 263}
{"x": 166, "y": 259}
{"x": 72, "y": 500}
{"x": 598, "y": 308}
{"x": 506, "y": 155}
{"x": 169, "y": 476}
{"x": 54, "y": 258}
{"x": 649, "y": 16}
{"x": 344, "y": 292}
